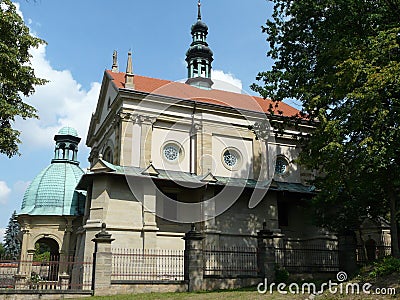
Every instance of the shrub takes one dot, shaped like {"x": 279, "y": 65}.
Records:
{"x": 281, "y": 274}
{"x": 386, "y": 266}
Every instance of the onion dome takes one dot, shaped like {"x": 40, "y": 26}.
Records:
{"x": 199, "y": 26}
{"x": 52, "y": 192}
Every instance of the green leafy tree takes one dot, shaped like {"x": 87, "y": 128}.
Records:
{"x": 42, "y": 252}
{"x": 12, "y": 244}
{"x": 341, "y": 59}
{"x": 2, "y": 251}
{"x": 17, "y": 77}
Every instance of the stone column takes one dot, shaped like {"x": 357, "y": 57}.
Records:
{"x": 212, "y": 234}
{"x": 102, "y": 264}
{"x": 65, "y": 252}
{"x": 149, "y": 217}
{"x": 347, "y": 245}
{"x": 194, "y": 260}
{"x": 146, "y": 137}
{"x": 266, "y": 254}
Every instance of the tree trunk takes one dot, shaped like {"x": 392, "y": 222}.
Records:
{"x": 394, "y": 224}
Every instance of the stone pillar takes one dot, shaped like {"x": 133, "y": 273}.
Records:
{"x": 146, "y": 137}
{"x": 212, "y": 234}
{"x": 65, "y": 252}
{"x": 20, "y": 282}
{"x": 102, "y": 264}
{"x": 266, "y": 254}
{"x": 347, "y": 245}
{"x": 149, "y": 217}
{"x": 64, "y": 281}
{"x": 194, "y": 260}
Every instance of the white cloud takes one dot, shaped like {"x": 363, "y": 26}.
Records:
{"x": 226, "y": 82}
{"x": 60, "y": 102}
{"x": 4, "y": 192}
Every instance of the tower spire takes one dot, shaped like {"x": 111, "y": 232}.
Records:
{"x": 199, "y": 11}
{"x": 199, "y": 56}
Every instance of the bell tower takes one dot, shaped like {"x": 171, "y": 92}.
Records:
{"x": 199, "y": 56}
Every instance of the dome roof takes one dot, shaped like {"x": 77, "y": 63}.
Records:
{"x": 52, "y": 192}
{"x": 68, "y": 131}
{"x": 199, "y": 26}
{"x": 199, "y": 50}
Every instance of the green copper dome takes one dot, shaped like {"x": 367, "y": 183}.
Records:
{"x": 53, "y": 192}
{"x": 68, "y": 131}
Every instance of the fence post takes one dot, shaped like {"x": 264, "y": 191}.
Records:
{"x": 266, "y": 254}
{"x": 194, "y": 260}
{"x": 102, "y": 262}
{"x": 347, "y": 245}
{"x": 64, "y": 281}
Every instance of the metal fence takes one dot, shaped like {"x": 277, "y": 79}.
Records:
{"x": 147, "y": 265}
{"x": 230, "y": 262}
{"x": 47, "y": 274}
{"x": 365, "y": 255}
{"x": 308, "y": 257}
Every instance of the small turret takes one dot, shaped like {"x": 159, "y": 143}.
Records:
{"x": 66, "y": 149}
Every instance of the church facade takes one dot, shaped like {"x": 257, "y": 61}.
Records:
{"x": 168, "y": 154}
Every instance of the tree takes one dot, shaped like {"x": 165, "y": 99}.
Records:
{"x": 2, "y": 251}
{"x": 341, "y": 59}
{"x": 17, "y": 77}
{"x": 12, "y": 244}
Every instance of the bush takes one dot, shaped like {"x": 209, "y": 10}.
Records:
{"x": 281, "y": 274}
{"x": 386, "y": 266}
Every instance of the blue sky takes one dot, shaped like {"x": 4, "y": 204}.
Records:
{"x": 81, "y": 37}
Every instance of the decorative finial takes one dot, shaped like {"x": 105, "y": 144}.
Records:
{"x": 129, "y": 68}
{"x": 199, "y": 11}
{"x": 129, "y": 73}
{"x": 114, "y": 67}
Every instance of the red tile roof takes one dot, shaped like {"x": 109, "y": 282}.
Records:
{"x": 218, "y": 97}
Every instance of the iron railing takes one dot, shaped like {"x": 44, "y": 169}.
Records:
{"x": 230, "y": 262}
{"x": 365, "y": 255}
{"x": 306, "y": 257}
{"x": 147, "y": 265}
{"x": 47, "y": 274}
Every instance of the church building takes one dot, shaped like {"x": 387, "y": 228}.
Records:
{"x": 166, "y": 156}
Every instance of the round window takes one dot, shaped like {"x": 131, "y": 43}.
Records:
{"x": 171, "y": 152}
{"x": 281, "y": 166}
{"x": 231, "y": 158}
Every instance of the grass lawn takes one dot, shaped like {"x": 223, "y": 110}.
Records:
{"x": 382, "y": 274}
{"x": 241, "y": 295}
